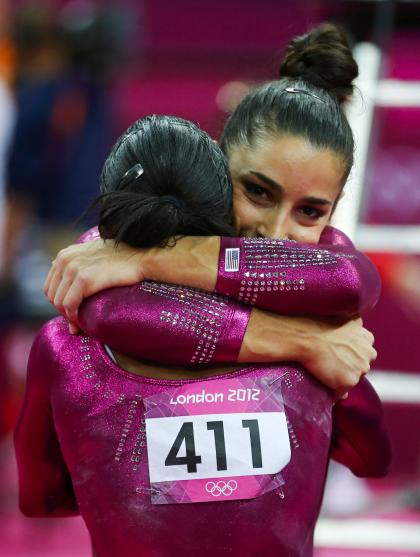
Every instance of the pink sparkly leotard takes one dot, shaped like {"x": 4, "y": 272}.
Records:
{"x": 80, "y": 445}
{"x": 332, "y": 278}
{"x": 81, "y": 441}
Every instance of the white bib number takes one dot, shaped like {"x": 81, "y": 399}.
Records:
{"x": 217, "y": 446}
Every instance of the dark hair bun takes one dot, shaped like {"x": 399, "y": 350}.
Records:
{"x": 322, "y": 57}
{"x": 140, "y": 219}
{"x": 164, "y": 177}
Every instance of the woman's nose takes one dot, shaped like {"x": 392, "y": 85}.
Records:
{"x": 278, "y": 226}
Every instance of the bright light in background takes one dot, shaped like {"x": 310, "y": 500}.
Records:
{"x": 360, "y": 115}
{"x": 230, "y": 95}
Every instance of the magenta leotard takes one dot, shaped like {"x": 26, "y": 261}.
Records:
{"x": 80, "y": 447}
{"x": 332, "y": 278}
{"x": 80, "y": 437}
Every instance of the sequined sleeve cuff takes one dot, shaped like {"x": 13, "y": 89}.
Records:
{"x": 298, "y": 279}
{"x": 166, "y": 323}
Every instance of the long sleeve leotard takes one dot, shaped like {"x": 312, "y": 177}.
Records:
{"x": 83, "y": 444}
{"x": 328, "y": 279}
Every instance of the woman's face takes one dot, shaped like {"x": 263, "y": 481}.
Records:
{"x": 283, "y": 187}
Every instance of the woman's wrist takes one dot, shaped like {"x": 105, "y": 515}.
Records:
{"x": 274, "y": 338}
{"x": 192, "y": 261}
{"x": 336, "y": 352}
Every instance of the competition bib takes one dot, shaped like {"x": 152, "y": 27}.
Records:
{"x": 216, "y": 440}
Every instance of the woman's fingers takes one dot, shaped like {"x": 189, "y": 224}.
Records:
{"x": 49, "y": 277}
{"x": 61, "y": 292}
{"x": 73, "y": 297}
{"x": 59, "y": 266}
{"x": 54, "y": 283}
{"x": 340, "y": 354}
{"x": 84, "y": 269}
{"x": 73, "y": 329}
{"x": 340, "y": 394}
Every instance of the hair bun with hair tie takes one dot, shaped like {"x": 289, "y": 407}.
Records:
{"x": 323, "y": 58}
{"x": 180, "y": 205}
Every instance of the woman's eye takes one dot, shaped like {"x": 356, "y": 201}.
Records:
{"x": 257, "y": 191}
{"x": 311, "y": 212}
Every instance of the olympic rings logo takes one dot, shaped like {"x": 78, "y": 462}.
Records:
{"x": 221, "y": 488}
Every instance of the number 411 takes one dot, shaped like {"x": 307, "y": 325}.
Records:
{"x": 191, "y": 459}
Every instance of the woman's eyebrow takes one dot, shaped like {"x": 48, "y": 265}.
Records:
{"x": 273, "y": 184}
{"x": 266, "y": 180}
{"x": 317, "y": 200}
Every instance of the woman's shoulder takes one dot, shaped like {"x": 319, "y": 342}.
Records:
{"x": 48, "y": 352}
{"x": 53, "y": 336}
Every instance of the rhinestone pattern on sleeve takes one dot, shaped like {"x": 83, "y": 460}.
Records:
{"x": 266, "y": 262}
{"x": 199, "y": 313}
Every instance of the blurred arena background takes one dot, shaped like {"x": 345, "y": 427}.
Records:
{"x": 74, "y": 74}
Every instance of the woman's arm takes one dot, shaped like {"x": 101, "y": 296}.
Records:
{"x": 336, "y": 353}
{"x": 179, "y": 325}
{"x": 166, "y": 323}
{"x": 290, "y": 278}
{"x": 281, "y": 276}
{"x": 45, "y": 487}
{"x": 360, "y": 439}
{"x": 192, "y": 327}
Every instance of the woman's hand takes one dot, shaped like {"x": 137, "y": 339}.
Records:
{"x": 85, "y": 269}
{"x": 337, "y": 353}
{"x": 81, "y": 270}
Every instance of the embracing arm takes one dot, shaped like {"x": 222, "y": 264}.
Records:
{"x": 336, "y": 353}
{"x": 331, "y": 278}
{"x": 360, "y": 438}
{"x": 282, "y": 276}
{"x": 278, "y": 275}
{"x": 179, "y": 325}
{"x": 45, "y": 487}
